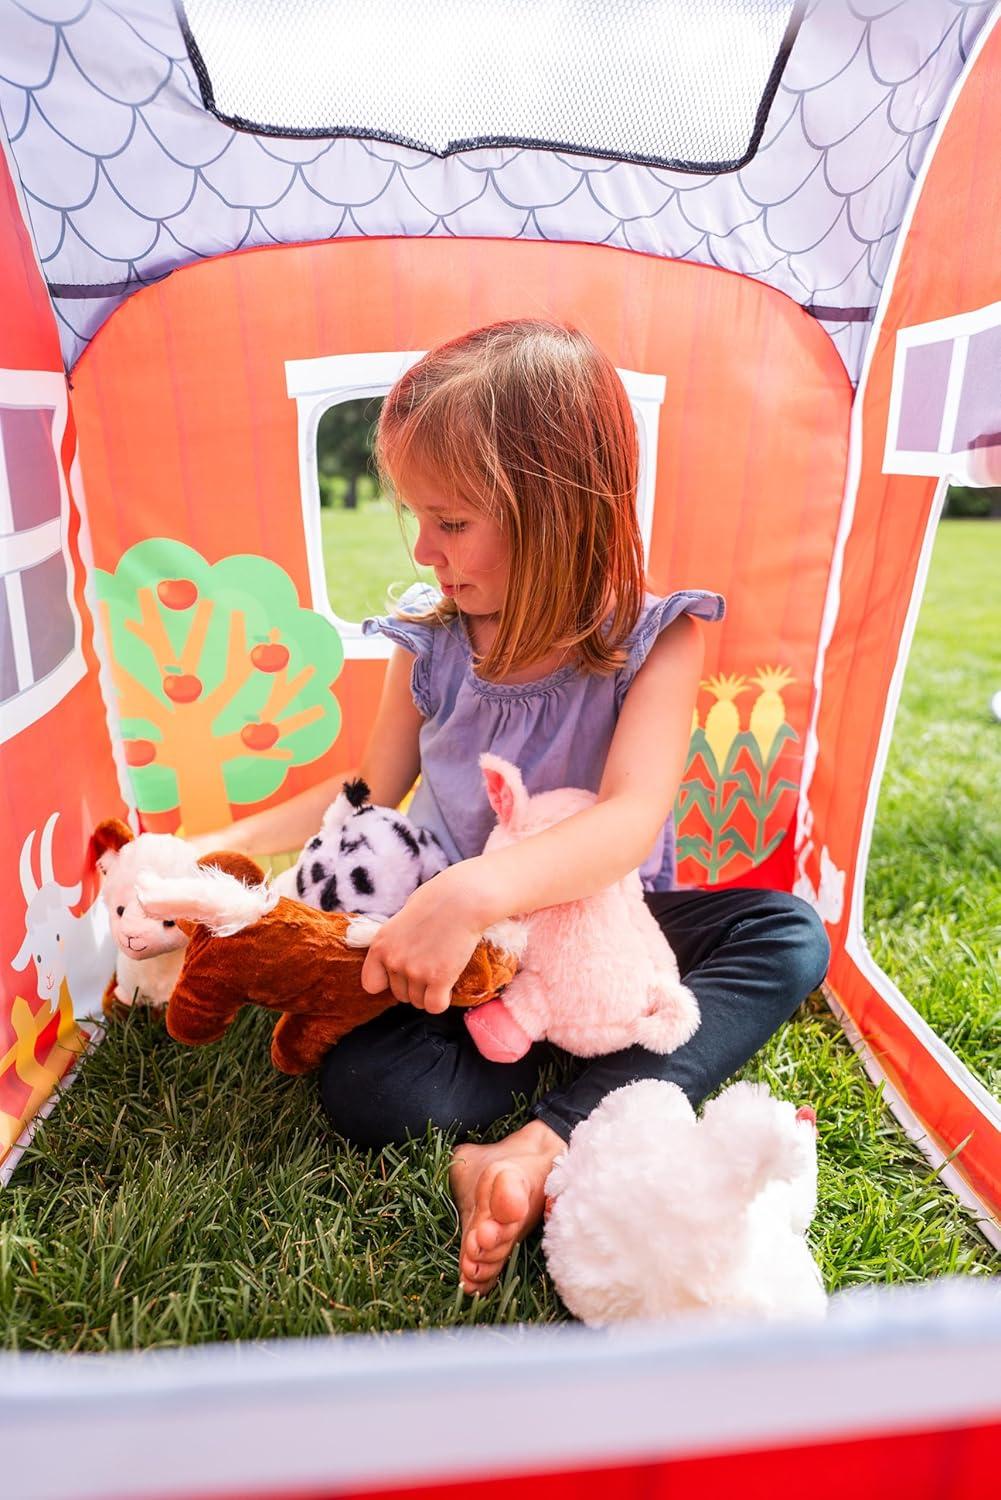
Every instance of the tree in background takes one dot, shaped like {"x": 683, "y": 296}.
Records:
{"x": 344, "y": 448}
{"x": 223, "y": 680}
{"x": 983, "y": 504}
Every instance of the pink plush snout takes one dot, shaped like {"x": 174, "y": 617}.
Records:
{"x": 497, "y": 1035}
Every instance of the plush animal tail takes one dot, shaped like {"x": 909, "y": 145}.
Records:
{"x": 674, "y": 1018}
{"x": 357, "y": 792}
{"x": 218, "y": 901}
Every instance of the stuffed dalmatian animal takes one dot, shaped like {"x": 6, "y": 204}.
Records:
{"x": 364, "y": 859}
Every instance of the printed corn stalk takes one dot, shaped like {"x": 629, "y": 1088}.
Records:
{"x": 769, "y": 731}
{"x": 729, "y": 753}
{"x": 718, "y": 743}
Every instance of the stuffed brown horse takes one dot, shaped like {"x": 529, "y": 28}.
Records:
{"x": 248, "y": 946}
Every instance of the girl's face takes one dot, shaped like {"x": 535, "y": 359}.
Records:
{"x": 466, "y": 548}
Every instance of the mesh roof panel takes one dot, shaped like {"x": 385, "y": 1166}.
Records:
{"x": 682, "y": 83}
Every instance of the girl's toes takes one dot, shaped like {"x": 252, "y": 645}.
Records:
{"x": 485, "y": 1238}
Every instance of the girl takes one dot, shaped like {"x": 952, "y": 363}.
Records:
{"x": 515, "y": 449}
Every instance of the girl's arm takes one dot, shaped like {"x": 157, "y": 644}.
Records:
{"x": 645, "y": 764}
{"x": 424, "y": 948}
{"x": 390, "y": 765}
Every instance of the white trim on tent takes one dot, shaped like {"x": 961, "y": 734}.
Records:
{"x": 94, "y": 1034}
{"x": 855, "y": 945}
{"x": 317, "y": 384}
{"x": 946, "y": 460}
{"x": 37, "y": 390}
{"x": 911, "y": 1125}
{"x": 227, "y": 1420}
{"x": 105, "y": 675}
{"x": 858, "y": 950}
{"x": 832, "y": 601}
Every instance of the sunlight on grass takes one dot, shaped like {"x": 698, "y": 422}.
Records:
{"x": 933, "y": 893}
{"x": 183, "y": 1195}
{"x": 365, "y": 555}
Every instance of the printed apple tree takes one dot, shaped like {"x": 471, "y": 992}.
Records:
{"x": 223, "y": 680}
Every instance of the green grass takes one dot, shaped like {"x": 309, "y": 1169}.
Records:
{"x": 365, "y": 555}
{"x": 933, "y": 893}
{"x": 182, "y": 1195}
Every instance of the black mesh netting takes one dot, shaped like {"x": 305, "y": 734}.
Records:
{"x": 682, "y": 83}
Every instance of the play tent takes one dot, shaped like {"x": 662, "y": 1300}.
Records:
{"x": 218, "y": 221}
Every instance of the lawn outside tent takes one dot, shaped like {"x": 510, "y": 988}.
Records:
{"x": 180, "y": 1196}
{"x": 807, "y": 320}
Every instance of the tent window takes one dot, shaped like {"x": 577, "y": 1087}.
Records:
{"x": 685, "y": 84}
{"x": 39, "y": 635}
{"x": 945, "y": 414}
{"x": 36, "y": 630}
{"x": 354, "y": 544}
{"x": 366, "y": 549}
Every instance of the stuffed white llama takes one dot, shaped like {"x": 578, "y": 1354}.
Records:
{"x": 365, "y": 858}
{"x": 598, "y": 974}
{"x": 653, "y": 1212}
{"x": 150, "y": 951}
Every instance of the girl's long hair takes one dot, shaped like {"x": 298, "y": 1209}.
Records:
{"x": 529, "y": 421}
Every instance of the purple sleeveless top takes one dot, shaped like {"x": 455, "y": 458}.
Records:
{"x": 557, "y": 731}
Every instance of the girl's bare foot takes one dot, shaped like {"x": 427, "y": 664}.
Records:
{"x": 499, "y": 1192}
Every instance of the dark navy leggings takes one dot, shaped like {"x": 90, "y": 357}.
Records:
{"x": 749, "y": 956}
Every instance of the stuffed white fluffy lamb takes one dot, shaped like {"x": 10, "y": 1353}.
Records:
{"x": 654, "y": 1212}
{"x": 150, "y": 950}
{"x": 365, "y": 858}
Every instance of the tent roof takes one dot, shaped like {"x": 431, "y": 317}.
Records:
{"x": 685, "y": 85}
{"x": 127, "y": 175}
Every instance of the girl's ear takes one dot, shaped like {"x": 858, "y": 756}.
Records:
{"x": 505, "y": 789}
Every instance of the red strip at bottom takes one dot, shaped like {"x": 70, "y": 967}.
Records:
{"x": 955, "y": 1464}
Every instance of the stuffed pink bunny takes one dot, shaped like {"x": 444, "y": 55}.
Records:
{"x": 597, "y": 975}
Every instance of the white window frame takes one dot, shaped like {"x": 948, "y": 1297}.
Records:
{"x": 36, "y": 390}
{"x": 946, "y": 462}
{"x": 317, "y": 384}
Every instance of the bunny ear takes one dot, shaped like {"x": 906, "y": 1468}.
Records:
{"x": 505, "y": 789}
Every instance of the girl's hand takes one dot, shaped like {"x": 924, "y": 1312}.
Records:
{"x": 211, "y": 843}
{"x": 420, "y": 953}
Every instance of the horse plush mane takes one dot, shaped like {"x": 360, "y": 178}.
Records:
{"x": 246, "y": 945}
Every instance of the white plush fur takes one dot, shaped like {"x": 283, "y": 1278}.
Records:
{"x": 219, "y": 901}
{"x": 365, "y": 858}
{"x": 150, "y": 954}
{"x": 148, "y": 885}
{"x": 655, "y": 1212}
{"x": 597, "y": 975}
{"x": 360, "y": 932}
{"x": 508, "y": 935}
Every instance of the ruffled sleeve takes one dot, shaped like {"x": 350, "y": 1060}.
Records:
{"x": 657, "y": 615}
{"x": 416, "y": 636}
